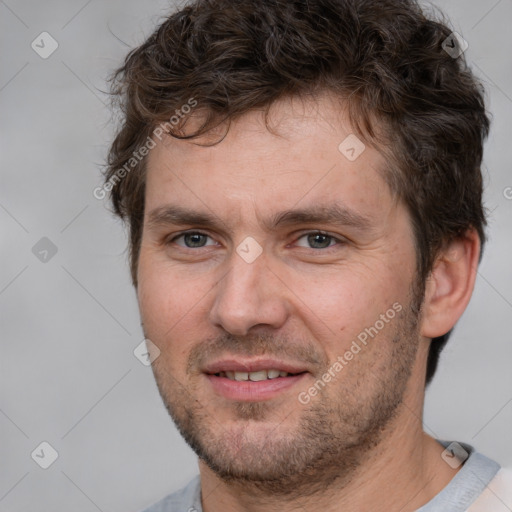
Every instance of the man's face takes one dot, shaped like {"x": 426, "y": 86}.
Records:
{"x": 278, "y": 298}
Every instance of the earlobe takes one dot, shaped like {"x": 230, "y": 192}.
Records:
{"x": 450, "y": 285}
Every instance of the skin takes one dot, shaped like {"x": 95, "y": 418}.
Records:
{"x": 362, "y": 433}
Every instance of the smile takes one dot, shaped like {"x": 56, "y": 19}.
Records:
{"x": 253, "y": 376}
{"x": 252, "y": 380}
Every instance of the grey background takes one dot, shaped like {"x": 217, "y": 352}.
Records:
{"x": 70, "y": 324}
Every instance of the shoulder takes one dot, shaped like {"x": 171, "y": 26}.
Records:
{"x": 470, "y": 484}
{"x": 497, "y": 496}
{"x": 187, "y": 499}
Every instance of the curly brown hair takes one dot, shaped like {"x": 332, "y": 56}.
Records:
{"x": 384, "y": 58}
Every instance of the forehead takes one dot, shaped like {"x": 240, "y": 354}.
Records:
{"x": 309, "y": 157}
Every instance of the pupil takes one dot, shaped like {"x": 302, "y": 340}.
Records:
{"x": 194, "y": 240}
{"x": 319, "y": 241}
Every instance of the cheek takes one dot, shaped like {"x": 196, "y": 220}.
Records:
{"x": 339, "y": 304}
{"x": 168, "y": 317}
{"x": 169, "y": 302}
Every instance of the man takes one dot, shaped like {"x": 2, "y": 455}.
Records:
{"x": 302, "y": 185}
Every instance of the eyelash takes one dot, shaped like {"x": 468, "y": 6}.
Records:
{"x": 302, "y": 235}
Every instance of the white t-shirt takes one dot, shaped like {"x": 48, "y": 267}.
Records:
{"x": 479, "y": 486}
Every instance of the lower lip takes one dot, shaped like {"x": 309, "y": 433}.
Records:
{"x": 249, "y": 391}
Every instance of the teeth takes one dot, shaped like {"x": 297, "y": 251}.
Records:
{"x": 254, "y": 376}
{"x": 257, "y": 376}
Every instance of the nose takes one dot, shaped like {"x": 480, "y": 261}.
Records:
{"x": 249, "y": 295}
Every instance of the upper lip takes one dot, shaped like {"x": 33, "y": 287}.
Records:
{"x": 248, "y": 365}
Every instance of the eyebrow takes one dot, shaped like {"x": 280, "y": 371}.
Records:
{"x": 334, "y": 214}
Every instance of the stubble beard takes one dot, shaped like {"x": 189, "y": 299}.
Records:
{"x": 329, "y": 442}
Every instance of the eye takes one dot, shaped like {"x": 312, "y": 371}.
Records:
{"x": 191, "y": 240}
{"x": 317, "y": 240}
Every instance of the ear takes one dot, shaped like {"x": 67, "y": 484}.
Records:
{"x": 450, "y": 285}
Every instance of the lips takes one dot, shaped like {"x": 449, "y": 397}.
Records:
{"x": 251, "y": 380}
{"x": 253, "y": 376}
{"x": 253, "y": 366}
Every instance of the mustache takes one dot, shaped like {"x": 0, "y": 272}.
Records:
{"x": 279, "y": 346}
